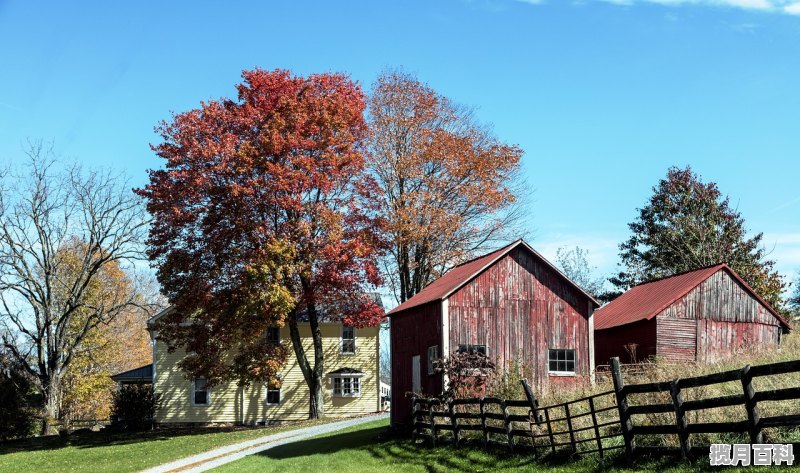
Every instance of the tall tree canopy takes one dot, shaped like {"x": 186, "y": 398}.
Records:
{"x": 448, "y": 186}
{"x": 688, "y": 224}
{"x": 62, "y": 230}
{"x": 575, "y": 264}
{"x": 263, "y": 216}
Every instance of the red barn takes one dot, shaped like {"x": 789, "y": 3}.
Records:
{"x": 510, "y": 304}
{"x": 700, "y": 315}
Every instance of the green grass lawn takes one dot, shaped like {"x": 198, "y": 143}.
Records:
{"x": 359, "y": 449}
{"x": 121, "y": 452}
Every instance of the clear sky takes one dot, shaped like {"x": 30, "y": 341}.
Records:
{"x": 603, "y": 96}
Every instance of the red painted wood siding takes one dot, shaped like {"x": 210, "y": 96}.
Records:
{"x": 519, "y": 308}
{"x": 713, "y": 320}
{"x": 411, "y": 333}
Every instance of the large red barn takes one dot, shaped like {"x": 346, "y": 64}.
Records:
{"x": 697, "y": 316}
{"x": 511, "y": 304}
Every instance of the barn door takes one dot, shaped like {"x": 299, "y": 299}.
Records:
{"x": 416, "y": 384}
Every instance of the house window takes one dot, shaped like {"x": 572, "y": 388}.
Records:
{"x": 433, "y": 355}
{"x": 472, "y": 349}
{"x": 346, "y": 386}
{"x": 274, "y": 335}
{"x": 273, "y": 396}
{"x": 561, "y": 361}
{"x": 348, "y": 340}
{"x": 201, "y": 393}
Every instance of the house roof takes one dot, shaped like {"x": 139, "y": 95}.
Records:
{"x": 346, "y": 371}
{"x": 457, "y": 277}
{"x": 140, "y": 374}
{"x": 645, "y": 301}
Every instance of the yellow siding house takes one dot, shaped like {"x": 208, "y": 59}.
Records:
{"x": 352, "y": 383}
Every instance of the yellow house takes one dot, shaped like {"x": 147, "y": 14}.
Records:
{"x": 352, "y": 382}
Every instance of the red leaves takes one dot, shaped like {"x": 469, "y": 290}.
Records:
{"x": 247, "y": 183}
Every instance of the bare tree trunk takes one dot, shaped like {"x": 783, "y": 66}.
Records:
{"x": 51, "y": 402}
{"x": 311, "y": 374}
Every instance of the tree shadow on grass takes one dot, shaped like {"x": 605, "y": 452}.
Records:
{"x": 106, "y": 439}
{"x": 472, "y": 457}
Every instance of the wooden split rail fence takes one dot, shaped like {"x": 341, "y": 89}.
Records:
{"x": 604, "y": 421}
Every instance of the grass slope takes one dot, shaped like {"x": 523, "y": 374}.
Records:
{"x": 359, "y": 449}
{"x": 121, "y": 452}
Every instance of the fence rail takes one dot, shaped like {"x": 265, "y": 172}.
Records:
{"x": 596, "y": 423}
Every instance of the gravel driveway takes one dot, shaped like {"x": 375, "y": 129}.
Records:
{"x": 220, "y": 456}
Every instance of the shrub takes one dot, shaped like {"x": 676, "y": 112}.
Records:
{"x": 467, "y": 374}
{"x": 17, "y": 412}
{"x": 134, "y": 407}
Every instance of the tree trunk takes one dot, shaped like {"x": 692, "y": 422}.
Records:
{"x": 51, "y": 402}
{"x": 316, "y": 405}
{"x": 311, "y": 374}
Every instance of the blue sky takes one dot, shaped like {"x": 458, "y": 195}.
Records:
{"x": 603, "y": 96}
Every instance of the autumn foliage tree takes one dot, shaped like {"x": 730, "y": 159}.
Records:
{"x": 62, "y": 229}
{"x": 448, "y": 186}
{"x": 688, "y": 224}
{"x": 264, "y": 216}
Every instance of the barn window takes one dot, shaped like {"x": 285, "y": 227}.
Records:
{"x": 274, "y": 335}
{"x": 561, "y": 361}
{"x": 201, "y": 392}
{"x": 433, "y": 355}
{"x": 348, "y": 340}
{"x": 472, "y": 349}
{"x": 273, "y": 396}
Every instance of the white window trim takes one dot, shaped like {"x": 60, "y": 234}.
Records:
{"x": 360, "y": 377}
{"x": 341, "y": 341}
{"x": 562, "y": 373}
{"x": 266, "y": 396}
{"x": 192, "y": 391}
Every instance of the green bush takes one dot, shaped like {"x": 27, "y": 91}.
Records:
{"x": 17, "y": 412}
{"x": 134, "y": 407}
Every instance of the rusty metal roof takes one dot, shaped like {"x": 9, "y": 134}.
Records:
{"x": 443, "y": 287}
{"x": 645, "y": 301}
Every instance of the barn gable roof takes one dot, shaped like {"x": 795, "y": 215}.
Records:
{"x": 457, "y": 277}
{"x": 645, "y": 301}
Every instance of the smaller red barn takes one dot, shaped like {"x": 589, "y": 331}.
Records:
{"x": 699, "y": 315}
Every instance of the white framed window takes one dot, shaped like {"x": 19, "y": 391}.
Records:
{"x": 273, "y": 396}
{"x": 466, "y": 348}
{"x": 274, "y": 335}
{"x": 561, "y": 361}
{"x": 348, "y": 343}
{"x": 347, "y": 386}
{"x": 433, "y": 355}
{"x": 201, "y": 392}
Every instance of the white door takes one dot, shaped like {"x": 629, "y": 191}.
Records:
{"x": 415, "y": 380}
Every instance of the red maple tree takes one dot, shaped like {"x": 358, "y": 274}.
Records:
{"x": 264, "y": 216}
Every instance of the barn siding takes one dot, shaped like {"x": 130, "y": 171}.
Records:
{"x": 519, "y": 308}
{"x": 411, "y": 333}
{"x": 724, "y": 318}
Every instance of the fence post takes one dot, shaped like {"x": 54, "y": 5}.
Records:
{"x": 453, "y": 421}
{"x": 753, "y": 417}
{"x": 549, "y": 429}
{"x": 483, "y": 424}
{"x": 414, "y": 422}
{"x": 596, "y": 428}
{"x": 569, "y": 426}
{"x": 507, "y": 424}
{"x": 622, "y": 406}
{"x": 433, "y": 422}
{"x": 531, "y": 399}
{"x": 680, "y": 417}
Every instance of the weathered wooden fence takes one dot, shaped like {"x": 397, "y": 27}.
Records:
{"x": 604, "y": 421}
{"x": 749, "y": 398}
{"x": 578, "y": 426}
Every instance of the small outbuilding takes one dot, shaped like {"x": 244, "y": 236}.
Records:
{"x": 698, "y": 316}
{"x": 510, "y": 304}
